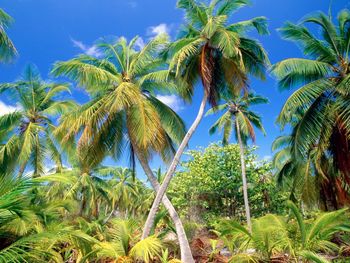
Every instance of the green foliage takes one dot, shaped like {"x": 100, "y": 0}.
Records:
{"x": 124, "y": 110}
{"x": 273, "y": 236}
{"x": 82, "y": 211}
{"x": 40, "y": 217}
{"x": 26, "y": 137}
{"x": 317, "y": 155}
{"x": 31, "y": 232}
{"x": 237, "y": 112}
{"x": 217, "y": 52}
{"x": 7, "y": 48}
{"x": 122, "y": 243}
{"x": 210, "y": 185}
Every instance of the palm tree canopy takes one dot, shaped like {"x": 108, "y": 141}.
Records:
{"x": 26, "y": 134}
{"x": 123, "y": 84}
{"x": 301, "y": 178}
{"x": 237, "y": 109}
{"x": 318, "y": 111}
{"x": 218, "y": 52}
{"x": 322, "y": 78}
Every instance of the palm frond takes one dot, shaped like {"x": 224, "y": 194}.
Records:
{"x": 227, "y": 7}
{"x": 296, "y": 71}
{"x": 146, "y": 249}
{"x": 257, "y": 23}
{"x": 7, "y": 48}
{"x": 302, "y": 99}
{"x": 172, "y": 123}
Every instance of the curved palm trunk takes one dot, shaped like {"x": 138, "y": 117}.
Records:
{"x": 244, "y": 177}
{"x": 186, "y": 254}
{"x": 171, "y": 170}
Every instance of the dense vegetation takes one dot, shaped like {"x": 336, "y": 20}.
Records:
{"x": 60, "y": 203}
{"x": 210, "y": 186}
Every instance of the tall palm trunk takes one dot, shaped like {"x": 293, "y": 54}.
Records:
{"x": 328, "y": 194}
{"x": 185, "y": 250}
{"x": 171, "y": 170}
{"x": 21, "y": 170}
{"x": 83, "y": 201}
{"x": 244, "y": 177}
{"x": 341, "y": 150}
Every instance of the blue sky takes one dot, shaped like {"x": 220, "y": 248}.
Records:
{"x": 49, "y": 30}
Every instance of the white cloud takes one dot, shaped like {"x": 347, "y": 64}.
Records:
{"x": 140, "y": 43}
{"x": 88, "y": 50}
{"x": 158, "y": 30}
{"x": 267, "y": 158}
{"x": 5, "y": 109}
{"x": 172, "y": 101}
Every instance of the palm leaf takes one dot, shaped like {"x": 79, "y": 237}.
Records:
{"x": 295, "y": 71}
{"x": 146, "y": 249}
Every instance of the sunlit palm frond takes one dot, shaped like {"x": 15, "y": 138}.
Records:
{"x": 146, "y": 249}
{"x": 7, "y": 48}
{"x": 85, "y": 74}
{"x": 294, "y": 71}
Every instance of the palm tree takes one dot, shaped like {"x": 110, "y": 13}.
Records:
{"x": 7, "y": 49}
{"x": 125, "y": 190}
{"x": 26, "y": 134}
{"x": 304, "y": 178}
{"x": 123, "y": 244}
{"x": 241, "y": 119}
{"x": 220, "y": 55}
{"x": 94, "y": 187}
{"x": 85, "y": 188}
{"x": 318, "y": 110}
{"x": 124, "y": 110}
{"x": 293, "y": 237}
{"x": 100, "y": 191}
{"x": 31, "y": 232}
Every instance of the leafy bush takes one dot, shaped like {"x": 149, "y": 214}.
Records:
{"x": 210, "y": 185}
{"x": 275, "y": 236}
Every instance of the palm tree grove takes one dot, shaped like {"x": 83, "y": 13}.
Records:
{"x": 174, "y": 131}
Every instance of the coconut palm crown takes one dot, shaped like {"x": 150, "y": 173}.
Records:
{"x": 27, "y": 133}
{"x": 318, "y": 110}
{"x": 217, "y": 51}
{"x": 237, "y": 110}
{"x": 123, "y": 84}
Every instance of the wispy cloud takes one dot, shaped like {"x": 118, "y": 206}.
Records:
{"x": 140, "y": 43}
{"x": 132, "y": 4}
{"x": 172, "y": 101}
{"x": 88, "y": 50}
{"x": 5, "y": 109}
{"x": 162, "y": 28}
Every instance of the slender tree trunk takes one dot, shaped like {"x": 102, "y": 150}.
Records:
{"x": 244, "y": 178}
{"x": 172, "y": 168}
{"x": 21, "y": 170}
{"x": 185, "y": 250}
{"x": 83, "y": 201}
{"x": 95, "y": 211}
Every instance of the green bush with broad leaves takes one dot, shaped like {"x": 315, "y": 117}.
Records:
{"x": 210, "y": 185}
